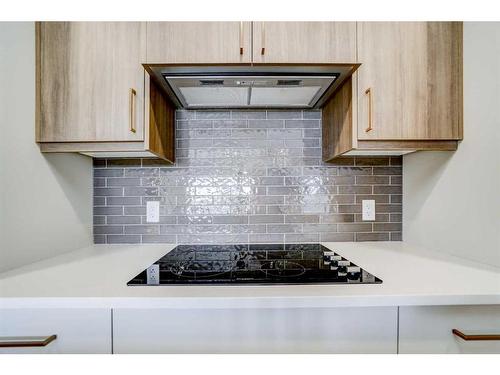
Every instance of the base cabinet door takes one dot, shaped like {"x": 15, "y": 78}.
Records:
{"x": 77, "y": 330}
{"x": 428, "y": 329}
{"x": 256, "y": 330}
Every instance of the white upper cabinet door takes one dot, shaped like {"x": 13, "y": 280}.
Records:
{"x": 199, "y": 42}
{"x": 304, "y": 42}
{"x": 90, "y": 81}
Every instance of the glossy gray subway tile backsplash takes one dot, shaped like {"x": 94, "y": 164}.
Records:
{"x": 247, "y": 176}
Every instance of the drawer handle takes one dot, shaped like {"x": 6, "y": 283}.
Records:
{"x": 133, "y": 94}
{"x": 26, "y": 341}
{"x": 465, "y": 337}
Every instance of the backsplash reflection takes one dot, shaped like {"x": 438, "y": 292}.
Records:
{"x": 247, "y": 176}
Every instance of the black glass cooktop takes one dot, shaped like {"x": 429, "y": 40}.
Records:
{"x": 253, "y": 264}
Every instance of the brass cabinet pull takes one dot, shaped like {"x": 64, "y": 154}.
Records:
{"x": 26, "y": 341}
{"x": 465, "y": 337}
{"x": 133, "y": 94}
{"x": 263, "y": 39}
{"x": 241, "y": 38}
{"x": 370, "y": 104}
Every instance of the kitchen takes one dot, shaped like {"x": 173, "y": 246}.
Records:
{"x": 265, "y": 178}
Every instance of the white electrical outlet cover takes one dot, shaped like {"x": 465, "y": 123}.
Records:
{"x": 368, "y": 210}
{"x": 152, "y": 211}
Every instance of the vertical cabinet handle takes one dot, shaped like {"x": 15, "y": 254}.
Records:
{"x": 241, "y": 38}
{"x": 370, "y": 104}
{"x": 26, "y": 341}
{"x": 263, "y": 39}
{"x": 133, "y": 94}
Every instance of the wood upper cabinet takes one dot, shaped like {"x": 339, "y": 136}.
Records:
{"x": 199, "y": 42}
{"x": 90, "y": 81}
{"x": 304, "y": 42}
{"x": 410, "y": 81}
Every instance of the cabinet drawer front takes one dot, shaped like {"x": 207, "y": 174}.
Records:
{"x": 334, "y": 330}
{"x": 77, "y": 330}
{"x": 427, "y": 329}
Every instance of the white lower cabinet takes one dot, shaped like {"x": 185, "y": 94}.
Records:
{"x": 77, "y": 330}
{"x": 428, "y": 329}
{"x": 256, "y": 330}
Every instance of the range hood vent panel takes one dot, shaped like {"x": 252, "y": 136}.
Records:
{"x": 259, "y": 86}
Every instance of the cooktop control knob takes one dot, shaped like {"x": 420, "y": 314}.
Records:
{"x": 342, "y": 267}
{"x": 353, "y": 272}
{"x": 334, "y": 261}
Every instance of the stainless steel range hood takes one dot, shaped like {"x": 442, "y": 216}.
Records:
{"x": 262, "y": 86}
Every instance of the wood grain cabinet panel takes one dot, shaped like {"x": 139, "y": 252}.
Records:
{"x": 199, "y": 42}
{"x": 86, "y": 73}
{"x": 304, "y": 42}
{"x": 413, "y": 71}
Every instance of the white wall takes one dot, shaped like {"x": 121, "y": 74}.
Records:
{"x": 451, "y": 201}
{"x": 45, "y": 200}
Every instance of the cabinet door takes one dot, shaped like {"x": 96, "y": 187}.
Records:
{"x": 410, "y": 80}
{"x": 304, "y": 42}
{"x": 77, "y": 330}
{"x": 428, "y": 329}
{"x": 256, "y": 330}
{"x": 87, "y": 71}
{"x": 198, "y": 42}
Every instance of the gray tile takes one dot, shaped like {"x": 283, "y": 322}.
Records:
{"x": 396, "y": 236}
{"x": 124, "y": 181}
{"x": 355, "y": 227}
{"x": 266, "y": 124}
{"x": 132, "y": 162}
{"x": 337, "y": 218}
{"x": 123, "y": 201}
{"x": 258, "y": 219}
{"x": 337, "y": 237}
{"x": 372, "y": 180}
{"x": 124, "y": 219}
{"x": 109, "y": 210}
{"x": 312, "y": 114}
{"x": 140, "y": 191}
{"x": 266, "y": 238}
{"x": 159, "y": 239}
{"x": 387, "y": 189}
{"x": 284, "y": 114}
{"x": 320, "y": 228}
{"x": 284, "y": 228}
{"x": 194, "y": 124}
{"x": 372, "y": 237}
{"x": 213, "y": 115}
{"x": 230, "y": 219}
{"x": 99, "y": 220}
{"x": 370, "y": 160}
{"x": 99, "y": 239}
{"x": 123, "y": 239}
{"x": 301, "y": 238}
{"x": 108, "y": 172}
{"x": 387, "y": 227}
{"x": 102, "y": 192}
{"x": 230, "y": 124}
{"x": 248, "y": 115}
{"x": 141, "y": 172}
{"x": 99, "y": 182}
{"x": 302, "y": 124}
{"x": 302, "y": 219}
{"x": 108, "y": 229}
{"x": 142, "y": 229}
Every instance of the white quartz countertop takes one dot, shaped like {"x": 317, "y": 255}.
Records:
{"x": 97, "y": 276}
